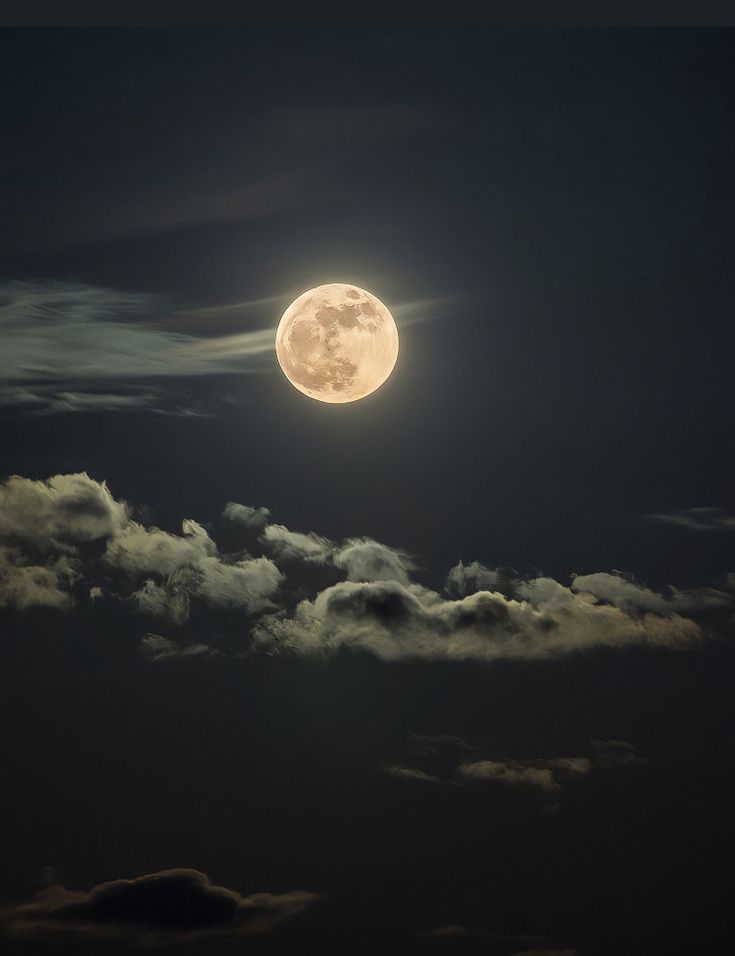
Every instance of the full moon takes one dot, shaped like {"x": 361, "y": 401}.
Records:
{"x": 337, "y": 343}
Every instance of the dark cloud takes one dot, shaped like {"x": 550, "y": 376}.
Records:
{"x": 543, "y": 774}
{"x": 164, "y": 907}
{"x": 450, "y": 760}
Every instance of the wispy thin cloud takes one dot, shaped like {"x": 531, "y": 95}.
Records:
{"x": 65, "y": 343}
{"x": 62, "y": 332}
{"x": 697, "y": 519}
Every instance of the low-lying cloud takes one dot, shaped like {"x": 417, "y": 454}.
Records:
{"x": 395, "y": 621}
{"x": 159, "y": 908}
{"x": 449, "y": 760}
{"x": 67, "y": 541}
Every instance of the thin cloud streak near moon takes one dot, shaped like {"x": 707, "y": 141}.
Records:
{"x": 66, "y": 333}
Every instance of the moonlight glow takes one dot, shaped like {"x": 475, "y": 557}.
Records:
{"x": 337, "y": 343}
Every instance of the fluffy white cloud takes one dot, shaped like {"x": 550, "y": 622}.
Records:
{"x": 366, "y": 560}
{"x": 60, "y": 513}
{"x": 69, "y": 531}
{"x": 246, "y": 584}
{"x": 629, "y": 596}
{"x": 308, "y": 547}
{"x": 23, "y": 586}
{"x": 172, "y": 603}
{"x": 389, "y": 620}
{"x": 464, "y": 579}
{"x": 139, "y": 550}
{"x": 70, "y": 528}
{"x": 189, "y": 566}
{"x": 246, "y": 514}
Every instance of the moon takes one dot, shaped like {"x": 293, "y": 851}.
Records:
{"x": 337, "y": 343}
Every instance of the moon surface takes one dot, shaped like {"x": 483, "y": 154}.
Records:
{"x": 337, "y": 343}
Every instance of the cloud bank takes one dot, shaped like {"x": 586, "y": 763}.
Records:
{"x": 67, "y": 542}
{"x": 395, "y": 621}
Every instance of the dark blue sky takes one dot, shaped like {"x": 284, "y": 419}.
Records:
{"x": 567, "y": 195}
{"x": 550, "y": 215}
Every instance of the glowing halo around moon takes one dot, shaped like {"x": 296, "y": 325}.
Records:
{"x": 337, "y": 343}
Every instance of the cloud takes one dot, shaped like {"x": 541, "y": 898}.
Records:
{"x": 69, "y": 529}
{"x": 622, "y": 592}
{"x": 609, "y": 754}
{"x": 41, "y": 400}
{"x": 65, "y": 343}
{"x": 60, "y": 332}
{"x": 464, "y": 579}
{"x": 697, "y": 519}
{"x": 512, "y": 772}
{"x": 361, "y": 559}
{"x": 59, "y": 514}
{"x": 366, "y": 560}
{"x": 310, "y": 547}
{"x": 189, "y": 566}
{"x": 402, "y": 772}
{"x": 157, "y": 648}
{"x": 450, "y": 760}
{"x": 246, "y": 515}
{"x": 140, "y": 550}
{"x": 394, "y": 622}
{"x": 159, "y": 908}
{"x": 293, "y": 158}
{"x": 24, "y": 586}
{"x": 67, "y": 540}
{"x": 171, "y": 601}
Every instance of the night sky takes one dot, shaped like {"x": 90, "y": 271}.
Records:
{"x": 445, "y": 670}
